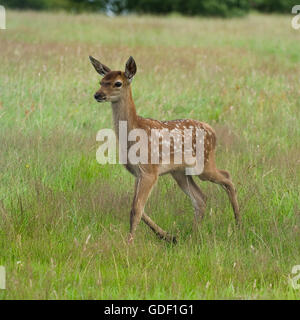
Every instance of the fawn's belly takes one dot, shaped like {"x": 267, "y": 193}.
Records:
{"x": 133, "y": 169}
{"x": 161, "y": 168}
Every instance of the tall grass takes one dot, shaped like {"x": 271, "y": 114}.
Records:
{"x": 64, "y": 218}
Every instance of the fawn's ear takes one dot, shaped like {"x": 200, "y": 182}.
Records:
{"x": 130, "y": 69}
{"x": 99, "y": 67}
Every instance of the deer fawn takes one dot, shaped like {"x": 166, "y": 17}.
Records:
{"x": 115, "y": 88}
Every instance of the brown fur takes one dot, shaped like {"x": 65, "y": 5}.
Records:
{"x": 147, "y": 174}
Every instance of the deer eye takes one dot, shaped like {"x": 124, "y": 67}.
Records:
{"x": 118, "y": 84}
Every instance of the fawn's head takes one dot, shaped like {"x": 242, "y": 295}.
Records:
{"x": 113, "y": 82}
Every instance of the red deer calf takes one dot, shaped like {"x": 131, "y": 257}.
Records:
{"x": 116, "y": 88}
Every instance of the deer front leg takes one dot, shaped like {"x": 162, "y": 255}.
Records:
{"x": 143, "y": 187}
{"x": 158, "y": 230}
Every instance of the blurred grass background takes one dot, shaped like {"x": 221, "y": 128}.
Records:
{"x": 64, "y": 218}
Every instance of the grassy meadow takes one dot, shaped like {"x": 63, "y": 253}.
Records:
{"x": 64, "y": 218}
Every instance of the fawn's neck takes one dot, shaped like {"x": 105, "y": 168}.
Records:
{"x": 124, "y": 110}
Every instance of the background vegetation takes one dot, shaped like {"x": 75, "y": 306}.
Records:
{"x": 64, "y": 218}
{"x": 224, "y": 8}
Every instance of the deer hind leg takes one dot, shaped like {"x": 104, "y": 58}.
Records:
{"x": 143, "y": 187}
{"x": 222, "y": 177}
{"x": 190, "y": 188}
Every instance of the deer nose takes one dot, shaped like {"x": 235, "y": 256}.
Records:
{"x": 98, "y": 96}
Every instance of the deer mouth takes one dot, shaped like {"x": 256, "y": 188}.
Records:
{"x": 101, "y": 99}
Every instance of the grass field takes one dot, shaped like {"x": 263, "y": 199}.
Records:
{"x": 64, "y": 218}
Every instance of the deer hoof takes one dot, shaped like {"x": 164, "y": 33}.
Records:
{"x": 130, "y": 239}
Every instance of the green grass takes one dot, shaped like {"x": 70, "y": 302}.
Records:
{"x": 64, "y": 218}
